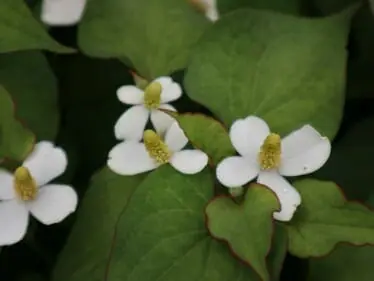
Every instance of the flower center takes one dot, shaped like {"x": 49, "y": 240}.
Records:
{"x": 152, "y": 95}
{"x": 24, "y": 184}
{"x": 156, "y": 148}
{"x": 270, "y": 152}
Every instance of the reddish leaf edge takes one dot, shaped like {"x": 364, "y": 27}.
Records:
{"x": 30, "y": 149}
{"x": 233, "y": 253}
{"x": 358, "y": 245}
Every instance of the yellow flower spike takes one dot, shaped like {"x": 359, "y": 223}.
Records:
{"x": 156, "y": 148}
{"x": 269, "y": 156}
{"x": 24, "y": 184}
{"x": 152, "y": 95}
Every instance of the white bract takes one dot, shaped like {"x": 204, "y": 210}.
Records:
{"x": 211, "y": 11}
{"x": 133, "y": 157}
{"x": 130, "y": 126}
{"x": 62, "y": 12}
{"x": 264, "y": 155}
{"x": 27, "y": 191}
{"x": 209, "y": 7}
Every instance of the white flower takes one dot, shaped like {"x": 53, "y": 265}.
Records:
{"x": 265, "y": 156}
{"x": 134, "y": 157}
{"x": 211, "y": 11}
{"x": 209, "y": 7}
{"x": 62, "y": 12}
{"x": 27, "y": 191}
{"x": 157, "y": 94}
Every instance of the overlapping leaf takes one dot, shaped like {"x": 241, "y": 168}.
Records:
{"x": 86, "y": 251}
{"x": 33, "y": 87}
{"x": 21, "y": 31}
{"x": 207, "y": 134}
{"x": 273, "y": 66}
{"x": 326, "y": 218}
{"x": 155, "y": 35}
{"x": 162, "y": 234}
{"x": 16, "y": 141}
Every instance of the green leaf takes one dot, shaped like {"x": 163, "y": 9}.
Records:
{"x": 15, "y": 140}
{"x": 278, "y": 252}
{"x": 326, "y": 218}
{"x": 162, "y": 235}
{"x": 33, "y": 87}
{"x": 349, "y": 164}
{"x": 276, "y": 70}
{"x": 345, "y": 263}
{"x": 207, "y": 134}
{"x": 21, "y": 31}
{"x": 285, "y": 6}
{"x": 247, "y": 228}
{"x": 157, "y": 40}
{"x": 85, "y": 254}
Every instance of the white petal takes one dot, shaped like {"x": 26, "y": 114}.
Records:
{"x": 211, "y": 11}
{"x": 236, "y": 171}
{"x": 303, "y": 152}
{"x": 54, "y": 203}
{"x": 46, "y": 162}
{"x": 14, "y": 218}
{"x": 288, "y": 196}
{"x": 162, "y": 121}
{"x": 130, "y": 95}
{"x": 212, "y": 14}
{"x": 189, "y": 161}
{"x": 6, "y": 185}
{"x": 165, "y": 81}
{"x": 175, "y": 138}
{"x": 131, "y": 124}
{"x": 247, "y": 135}
{"x": 62, "y": 12}
{"x": 171, "y": 93}
{"x": 130, "y": 158}
{"x": 171, "y": 90}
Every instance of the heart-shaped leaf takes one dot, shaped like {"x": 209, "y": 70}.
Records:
{"x": 162, "y": 234}
{"x": 33, "y": 87}
{"x": 207, "y": 134}
{"x": 326, "y": 218}
{"x": 277, "y": 69}
{"x": 85, "y": 254}
{"x": 157, "y": 40}
{"x": 247, "y": 228}
{"x": 15, "y": 140}
{"x": 20, "y": 31}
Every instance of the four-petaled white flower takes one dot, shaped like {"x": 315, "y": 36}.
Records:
{"x": 131, "y": 125}
{"x": 27, "y": 191}
{"x": 265, "y": 156}
{"x": 133, "y": 157}
{"x": 62, "y": 12}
